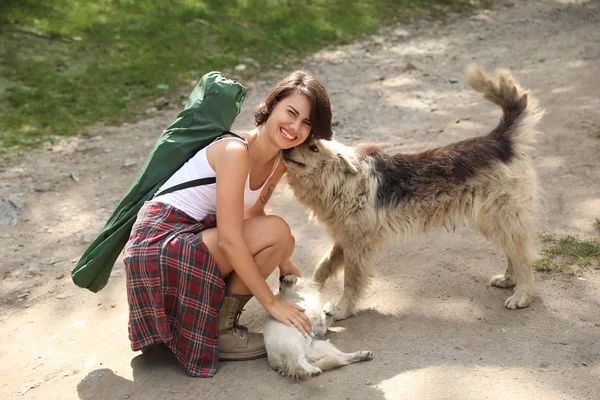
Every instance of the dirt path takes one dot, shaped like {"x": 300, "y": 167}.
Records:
{"x": 437, "y": 330}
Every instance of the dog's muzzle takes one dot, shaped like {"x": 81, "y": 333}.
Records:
{"x": 289, "y": 161}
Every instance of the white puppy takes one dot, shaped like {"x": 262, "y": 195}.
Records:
{"x": 294, "y": 355}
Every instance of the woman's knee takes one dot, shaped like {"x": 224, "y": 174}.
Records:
{"x": 283, "y": 236}
{"x": 279, "y": 225}
{"x": 272, "y": 228}
{"x": 292, "y": 244}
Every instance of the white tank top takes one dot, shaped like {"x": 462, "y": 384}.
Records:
{"x": 200, "y": 201}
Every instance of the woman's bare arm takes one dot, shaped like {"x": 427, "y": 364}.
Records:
{"x": 231, "y": 164}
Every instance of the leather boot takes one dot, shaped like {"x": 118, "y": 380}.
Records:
{"x": 235, "y": 342}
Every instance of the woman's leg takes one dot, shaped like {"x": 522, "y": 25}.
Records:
{"x": 269, "y": 240}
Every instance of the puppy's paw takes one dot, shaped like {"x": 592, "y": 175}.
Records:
{"x": 329, "y": 309}
{"x": 517, "y": 300}
{"x": 503, "y": 281}
{"x": 366, "y": 355}
{"x": 313, "y": 373}
{"x": 288, "y": 280}
{"x": 279, "y": 369}
{"x": 287, "y": 283}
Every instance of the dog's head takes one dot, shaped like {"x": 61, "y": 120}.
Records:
{"x": 317, "y": 159}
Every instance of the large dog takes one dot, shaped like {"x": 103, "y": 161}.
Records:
{"x": 363, "y": 196}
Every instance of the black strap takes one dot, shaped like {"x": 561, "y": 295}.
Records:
{"x": 189, "y": 184}
{"x": 202, "y": 181}
{"x": 234, "y": 134}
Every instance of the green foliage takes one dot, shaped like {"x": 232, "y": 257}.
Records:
{"x": 66, "y": 64}
{"x": 568, "y": 254}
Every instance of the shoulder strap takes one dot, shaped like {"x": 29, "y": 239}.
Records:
{"x": 189, "y": 184}
{"x": 202, "y": 181}
{"x": 236, "y": 135}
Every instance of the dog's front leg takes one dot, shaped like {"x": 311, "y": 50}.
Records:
{"x": 356, "y": 276}
{"x": 329, "y": 264}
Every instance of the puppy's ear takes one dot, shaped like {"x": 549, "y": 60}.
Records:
{"x": 348, "y": 163}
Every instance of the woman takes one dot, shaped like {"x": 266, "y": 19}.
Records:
{"x": 188, "y": 278}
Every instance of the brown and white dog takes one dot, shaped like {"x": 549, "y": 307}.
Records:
{"x": 363, "y": 196}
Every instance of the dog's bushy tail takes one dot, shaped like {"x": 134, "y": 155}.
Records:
{"x": 520, "y": 111}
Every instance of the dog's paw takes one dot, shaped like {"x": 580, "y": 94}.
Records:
{"x": 288, "y": 280}
{"x": 279, "y": 369}
{"x": 503, "y": 281}
{"x": 313, "y": 373}
{"x": 366, "y": 355}
{"x": 329, "y": 309}
{"x": 342, "y": 315}
{"x": 517, "y": 300}
{"x": 343, "y": 312}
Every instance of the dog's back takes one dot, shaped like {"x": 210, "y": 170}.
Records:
{"x": 485, "y": 181}
{"x": 449, "y": 186}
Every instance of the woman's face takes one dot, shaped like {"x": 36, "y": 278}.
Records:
{"x": 289, "y": 122}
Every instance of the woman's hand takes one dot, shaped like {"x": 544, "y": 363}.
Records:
{"x": 287, "y": 267}
{"x": 291, "y": 315}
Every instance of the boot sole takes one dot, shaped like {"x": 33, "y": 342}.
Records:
{"x": 243, "y": 357}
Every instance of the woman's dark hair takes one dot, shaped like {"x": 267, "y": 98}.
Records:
{"x": 305, "y": 83}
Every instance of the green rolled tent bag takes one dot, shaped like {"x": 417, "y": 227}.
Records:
{"x": 210, "y": 110}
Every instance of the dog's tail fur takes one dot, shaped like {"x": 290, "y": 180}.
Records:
{"x": 520, "y": 111}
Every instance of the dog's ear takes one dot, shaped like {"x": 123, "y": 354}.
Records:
{"x": 348, "y": 163}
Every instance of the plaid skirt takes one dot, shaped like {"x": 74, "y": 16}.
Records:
{"x": 174, "y": 287}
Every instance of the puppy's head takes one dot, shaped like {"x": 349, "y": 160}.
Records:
{"x": 317, "y": 159}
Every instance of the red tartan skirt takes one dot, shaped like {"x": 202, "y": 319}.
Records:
{"x": 174, "y": 287}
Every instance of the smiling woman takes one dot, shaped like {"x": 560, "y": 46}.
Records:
{"x": 317, "y": 113}
{"x": 203, "y": 269}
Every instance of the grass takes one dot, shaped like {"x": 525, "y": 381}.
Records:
{"x": 67, "y": 64}
{"x": 568, "y": 254}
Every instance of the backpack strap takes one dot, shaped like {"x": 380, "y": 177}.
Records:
{"x": 202, "y": 181}
{"x": 189, "y": 184}
{"x": 233, "y": 134}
